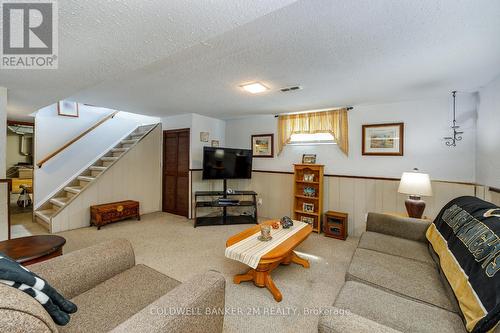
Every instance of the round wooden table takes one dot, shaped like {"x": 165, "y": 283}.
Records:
{"x": 33, "y": 249}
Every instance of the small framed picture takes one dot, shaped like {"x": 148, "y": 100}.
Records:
{"x": 309, "y": 159}
{"x": 263, "y": 145}
{"x": 215, "y": 143}
{"x": 67, "y": 109}
{"x": 204, "y": 136}
{"x": 383, "y": 139}
{"x": 309, "y": 177}
{"x": 307, "y": 219}
{"x": 308, "y": 207}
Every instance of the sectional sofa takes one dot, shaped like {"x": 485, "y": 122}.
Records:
{"x": 394, "y": 284}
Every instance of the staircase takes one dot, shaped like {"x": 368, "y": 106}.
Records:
{"x": 52, "y": 207}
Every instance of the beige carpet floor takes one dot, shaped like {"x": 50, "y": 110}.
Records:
{"x": 172, "y": 246}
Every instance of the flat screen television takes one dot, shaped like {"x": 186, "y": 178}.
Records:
{"x": 227, "y": 163}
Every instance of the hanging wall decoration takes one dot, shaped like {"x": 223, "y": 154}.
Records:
{"x": 451, "y": 141}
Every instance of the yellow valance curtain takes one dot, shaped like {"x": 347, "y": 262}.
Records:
{"x": 333, "y": 122}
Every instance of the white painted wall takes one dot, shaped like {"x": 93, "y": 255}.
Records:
{"x": 4, "y": 226}
{"x": 52, "y": 131}
{"x": 197, "y": 123}
{"x": 3, "y": 130}
{"x": 217, "y": 130}
{"x": 488, "y": 135}
{"x": 426, "y": 123}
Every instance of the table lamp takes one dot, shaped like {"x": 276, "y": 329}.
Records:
{"x": 416, "y": 185}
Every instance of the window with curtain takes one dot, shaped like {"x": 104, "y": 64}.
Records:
{"x": 332, "y": 122}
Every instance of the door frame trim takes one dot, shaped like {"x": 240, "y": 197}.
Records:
{"x": 165, "y": 132}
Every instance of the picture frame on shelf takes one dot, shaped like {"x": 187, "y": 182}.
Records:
{"x": 215, "y": 143}
{"x": 262, "y": 145}
{"x": 307, "y": 219}
{"x": 383, "y": 139}
{"x": 309, "y": 159}
{"x": 68, "y": 109}
{"x": 308, "y": 207}
{"x": 308, "y": 177}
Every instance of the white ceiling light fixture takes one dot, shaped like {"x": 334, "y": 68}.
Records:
{"x": 254, "y": 87}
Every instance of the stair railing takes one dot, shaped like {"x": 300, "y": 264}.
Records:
{"x": 75, "y": 139}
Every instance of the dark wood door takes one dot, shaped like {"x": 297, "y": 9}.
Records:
{"x": 176, "y": 172}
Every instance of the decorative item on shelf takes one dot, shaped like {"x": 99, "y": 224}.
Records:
{"x": 215, "y": 143}
{"x": 275, "y": 225}
{"x": 308, "y": 207}
{"x": 286, "y": 222}
{"x": 309, "y": 191}
{"x": 204, "y": 136}
{"x": 309, "y": 158}
{"x": 307, "y": 219}
{"x": 335, "y": 225}
{"x": 416, "y": 185}
{"x": 67, "y": 109}
{"x": 263, "y": 145}
{"x": 265, "y": 233}
{"x": 383, "y": 139}
{"x": 451, "y": 141}
{"x": 308, "y": 177}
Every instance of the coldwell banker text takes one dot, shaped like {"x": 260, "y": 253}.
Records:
{"x": 29, "y": 34}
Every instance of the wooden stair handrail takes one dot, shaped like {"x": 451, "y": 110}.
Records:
{"x": 69, "y": 143}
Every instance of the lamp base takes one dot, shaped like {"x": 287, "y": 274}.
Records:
{"x": 415, "y": 206}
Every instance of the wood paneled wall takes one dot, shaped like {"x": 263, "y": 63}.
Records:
{"x": 136, "y": 176}
{"x": 354, "y": 196}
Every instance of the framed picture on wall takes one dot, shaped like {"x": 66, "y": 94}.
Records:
{"x": 67, "y": 109}
{"x": 263, "y": 145}
{"x": 383, "y": 139}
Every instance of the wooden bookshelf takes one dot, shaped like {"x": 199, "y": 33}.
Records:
{"x": 303, "y": 189}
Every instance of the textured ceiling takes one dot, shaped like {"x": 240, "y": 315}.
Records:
{"x": 171, "y": 57}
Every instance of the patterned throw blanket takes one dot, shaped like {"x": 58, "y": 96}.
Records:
{"x": 465, "y": 235}
{"x": 250, "y": 250}
{"x": 17, "y": 276}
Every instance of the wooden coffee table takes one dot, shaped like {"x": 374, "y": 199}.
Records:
{"x": 33, "y": 249}
{"x": 282, "y": 254}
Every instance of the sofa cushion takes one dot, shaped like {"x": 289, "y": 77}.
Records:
{"x": 396, "y": 246}
{"x": 407, "y": 277}
{"x": 465, "y": 236}
{"x": 110, "y": 303}
{"x": 334, "y": 320}
{"x": 20, "y": 312}
{"x": 396, "y": 312}
{"x": 20, "y": 277}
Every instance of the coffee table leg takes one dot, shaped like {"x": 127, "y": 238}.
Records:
{"x": 248, "y": 276}
{"x": 261, "y": 277}
{"x": 298, "y": 260}
{"x": 273, "y": 289}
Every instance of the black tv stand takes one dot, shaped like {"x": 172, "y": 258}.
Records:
{"x": 224, "y": 218}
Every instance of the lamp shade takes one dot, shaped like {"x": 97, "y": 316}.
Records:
{"x": 415, "y": 183}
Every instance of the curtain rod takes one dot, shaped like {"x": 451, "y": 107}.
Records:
{"x": 298, "y": 112}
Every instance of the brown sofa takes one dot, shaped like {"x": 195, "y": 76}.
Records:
{"x": 394, "y": 284}
{"x": 114, "y": 294}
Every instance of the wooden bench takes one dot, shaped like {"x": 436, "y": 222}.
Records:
{"x": 112, "y": 212}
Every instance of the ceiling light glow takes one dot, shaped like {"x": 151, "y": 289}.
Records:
{"x": 254, "y": 88}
